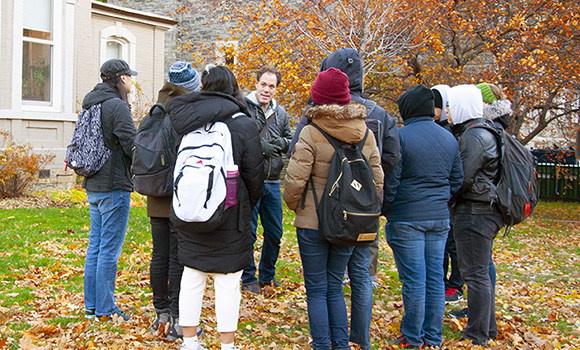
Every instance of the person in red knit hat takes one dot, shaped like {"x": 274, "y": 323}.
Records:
{"x": 324, "y": 263}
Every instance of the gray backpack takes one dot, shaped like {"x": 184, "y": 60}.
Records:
{"x": 86, "y": 154}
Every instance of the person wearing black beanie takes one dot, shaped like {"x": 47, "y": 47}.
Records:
{"x": 418, "y": 101}
{"x": 415, "y": 204}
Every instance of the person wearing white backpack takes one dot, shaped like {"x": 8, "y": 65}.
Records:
{"x": 226, "y": 250}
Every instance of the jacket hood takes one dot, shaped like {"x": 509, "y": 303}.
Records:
{"x": 465, "y": 103}
{"x": 251, "y": 98}
{"x": 169, "y": 91}
{"x": 348, "y": 61}
{"x": 194, "y": 110}
{"x": 416, "y": 102}
{"x": 443, "y": 89}
{"x": 497, "y": 109}
{"x": 100, "y": 93}
{"x": 345, "y": 123}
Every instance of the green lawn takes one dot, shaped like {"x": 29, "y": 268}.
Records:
{"x": 41, "y": 302}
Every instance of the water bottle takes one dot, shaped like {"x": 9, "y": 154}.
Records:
{"x": 231, "y": 185}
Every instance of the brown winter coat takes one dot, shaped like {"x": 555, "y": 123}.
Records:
{"x": 313, "y": 154}
{"x": 158, "y": 207}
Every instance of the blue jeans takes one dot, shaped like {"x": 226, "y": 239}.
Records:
{"x": 109, "y": 216}
{"x": 361, "y": 298}
{"x": 418, "y": 248}
{"x": 323, "y": 265}
{"x": 270, "y": 210}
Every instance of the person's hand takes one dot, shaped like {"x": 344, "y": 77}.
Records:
{"x": 269, "y": 149}
{"x": 279, "y": 141}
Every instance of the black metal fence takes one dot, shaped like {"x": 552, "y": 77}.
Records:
{"x": 559, "y": 182}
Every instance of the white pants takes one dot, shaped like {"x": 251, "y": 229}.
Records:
{"x": 227, "y": 298}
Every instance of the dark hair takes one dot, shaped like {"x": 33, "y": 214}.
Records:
{"x": 269, "y": 69}
{"x": 221, "y": 79}
{"x": 117, "y": 83}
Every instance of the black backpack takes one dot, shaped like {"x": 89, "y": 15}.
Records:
{"x": 349, "y": 208}
{"x": 154, "y": 154}
{"x": 516, "y": 191}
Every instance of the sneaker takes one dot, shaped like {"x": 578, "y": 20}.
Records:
{"x": 198, "y": 347}
{"x": 272, "y": 283}
{"x": 176, "y": 331}
{"x": 376, "y": 285}
{"x": 252, "y": 288}
{"x": 401, "y": 342}
{"x": 453, "y": 295}
{"x": 159, "y": 327}
{"x": 115, "y": 316}
{"x": 89, "y": 314}
{"x": 458, "y": 314}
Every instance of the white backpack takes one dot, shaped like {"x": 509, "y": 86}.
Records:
{"x": 199, "y": 178}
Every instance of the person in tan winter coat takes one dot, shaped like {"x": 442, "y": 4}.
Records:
{"x": 324, "y": 263}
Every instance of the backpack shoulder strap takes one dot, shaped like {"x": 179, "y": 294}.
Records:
{"x": 370, "y": 105}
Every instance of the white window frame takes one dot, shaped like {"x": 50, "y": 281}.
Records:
{"x": 123, "y": 36}
{"x": 56, "y": 72}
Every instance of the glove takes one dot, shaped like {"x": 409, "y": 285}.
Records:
{"x": 268, "y": 149}
{"x": 279, "y": 141}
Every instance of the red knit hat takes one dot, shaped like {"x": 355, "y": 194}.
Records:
{"x": 331, "y": 86}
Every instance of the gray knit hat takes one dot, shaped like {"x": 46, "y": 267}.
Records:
{"x": 182, "y": 73}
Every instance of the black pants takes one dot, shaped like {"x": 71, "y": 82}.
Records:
{"x": 454, "y": 280}
{"x": 474, "y": 235}
{"x": 165, "y": 270}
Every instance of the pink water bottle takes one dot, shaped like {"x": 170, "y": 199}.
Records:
{"x": 231, "y": 185}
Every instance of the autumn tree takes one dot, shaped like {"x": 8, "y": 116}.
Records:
{"x": 295, "y": 36}
{"x": 530, "y": 47}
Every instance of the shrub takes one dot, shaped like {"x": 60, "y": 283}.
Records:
{"x": 19, "y": 166}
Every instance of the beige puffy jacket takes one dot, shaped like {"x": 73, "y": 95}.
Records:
{"x": 313, "y": 154}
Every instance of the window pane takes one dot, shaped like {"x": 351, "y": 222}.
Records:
{"x": 38, "y": 15}
{"x": 113, "y": 50}
{"x": 36, "y": 61}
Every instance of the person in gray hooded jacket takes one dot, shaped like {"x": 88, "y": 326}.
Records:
{"x": 109, "y": 190}
{"x": 275, "y": 135}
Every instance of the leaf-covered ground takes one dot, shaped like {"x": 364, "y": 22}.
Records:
{"x": 41, "y": 301}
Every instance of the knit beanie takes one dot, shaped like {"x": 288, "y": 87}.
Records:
{"x": 488, "y": 96}
{"x": 182, "y": 73}
{"x": 330, "y": 86}
{"x": 417, "y": 102}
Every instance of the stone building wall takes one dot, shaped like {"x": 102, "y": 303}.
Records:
{"x": 196, "y": 25}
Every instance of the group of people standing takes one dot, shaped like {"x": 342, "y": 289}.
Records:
{"x": 432, "y": 173}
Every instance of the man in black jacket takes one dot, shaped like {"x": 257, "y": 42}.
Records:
{"x": 275, "y": 135}
{"x": 476, "y": 220}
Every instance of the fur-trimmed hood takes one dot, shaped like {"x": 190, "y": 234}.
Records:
{"x": 497, "y": 109}
{"x": 345, "y": 123}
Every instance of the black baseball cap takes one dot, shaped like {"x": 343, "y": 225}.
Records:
{"x": 115, "y": 68}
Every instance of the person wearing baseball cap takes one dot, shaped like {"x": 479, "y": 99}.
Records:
{"x": 109, "y": 190}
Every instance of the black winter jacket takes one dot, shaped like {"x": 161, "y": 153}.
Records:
{"x": 279, "y": 127}
{"x": 480, "y": 158}
{"x": 119, "y": 135}
{"x": 229, "y": 248}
